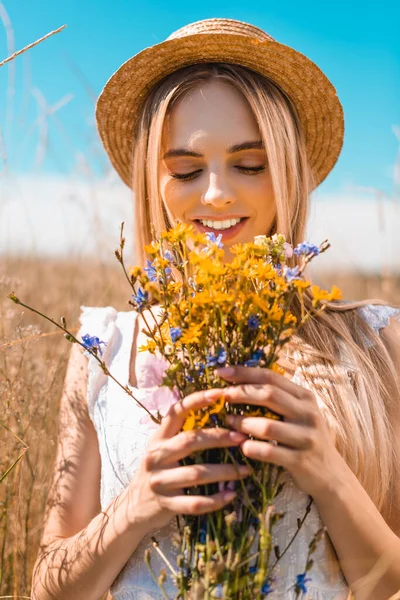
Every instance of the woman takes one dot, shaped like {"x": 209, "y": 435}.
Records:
{"x": 221, "y": 123}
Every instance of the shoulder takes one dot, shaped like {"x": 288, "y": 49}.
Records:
{"x": 97, "y": 317}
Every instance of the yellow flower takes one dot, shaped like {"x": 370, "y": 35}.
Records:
{"x": 152, "y": 248}
{"x": 261, "y": 270}
{"x": 192, "y": 334}
{"x": 150, "y": 346}
{"x": 336, "y": 293}
{"x": 324, "y": 295}
{"x": 178, "y": 233}
{"x": 151, "y": 287}
{"x": 260, "y": 303}
{"x": 275, "y": 313}
{"x": 211, "y": 296}
{"x": 289, "y": 319}
{"x": 202, "y": 298}
{"x": 197, "y": 420}
{"x": 135, "y": 272}
{"x": 190, "y": 422}
{"x": 218, "y": 406}
{"x": 160, "y": 262}
{"x": 278, "y": 369}
{"x": 300, "y": 284}
{"x": 175, "y": 287}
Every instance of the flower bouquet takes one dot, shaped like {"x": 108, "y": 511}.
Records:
{"x": 215, "y": 314}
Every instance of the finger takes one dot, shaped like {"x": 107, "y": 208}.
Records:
{"x": 173, "y": 421}
{"x": 241, "y": 374}
{"x": 266, "y": 452}
{"x": 166, "y": 480}
{"x": 268, "y": 396}
{"x": 196, "y": 505}
{"x": 289, "y": 434}
{"x": 185, "y": 443}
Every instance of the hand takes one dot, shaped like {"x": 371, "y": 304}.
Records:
{"x": 305, "y": 446}
{"x": 156, "y": 490}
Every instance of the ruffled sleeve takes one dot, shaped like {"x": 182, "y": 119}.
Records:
{"x": 97, "y": 321}
{"x": 377, "y": 317}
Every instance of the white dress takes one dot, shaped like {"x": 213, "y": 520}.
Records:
{"x": 122, "y": 438}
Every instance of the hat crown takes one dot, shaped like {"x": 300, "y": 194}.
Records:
{"x": 214, "y": 26}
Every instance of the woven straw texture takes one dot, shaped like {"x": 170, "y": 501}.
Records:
{"x": 222, "y": 40}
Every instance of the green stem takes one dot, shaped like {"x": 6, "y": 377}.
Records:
{"x": 308, "y": 508}
{"x": 102, "y": 364}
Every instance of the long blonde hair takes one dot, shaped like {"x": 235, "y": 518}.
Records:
{"x": 354, "y": 382}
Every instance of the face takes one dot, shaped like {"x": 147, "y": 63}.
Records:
{"x": 214, "y": 166}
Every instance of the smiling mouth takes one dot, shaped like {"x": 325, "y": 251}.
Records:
{"x": 204, "y": 221}
{"x": 226, "y": 233}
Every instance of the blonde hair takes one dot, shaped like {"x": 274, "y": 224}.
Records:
{"x": 354, "y": 382}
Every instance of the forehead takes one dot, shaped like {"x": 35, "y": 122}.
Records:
{"x": 213, "y": 111}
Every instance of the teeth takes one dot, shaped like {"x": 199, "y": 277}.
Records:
{"x": 221, "y": 224}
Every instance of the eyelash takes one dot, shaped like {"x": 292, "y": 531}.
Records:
{"x": 189, "y": 176}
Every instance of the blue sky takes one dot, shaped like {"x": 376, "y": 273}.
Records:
{"x": 356, "y": 43}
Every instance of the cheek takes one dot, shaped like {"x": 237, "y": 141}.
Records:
{"x": 178, "y": 197}
{"x": 256, "y": 190}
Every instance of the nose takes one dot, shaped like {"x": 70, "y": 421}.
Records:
{"x": 218, "y": 192}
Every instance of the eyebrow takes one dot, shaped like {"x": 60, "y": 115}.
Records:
{"x": 256, "y": 145}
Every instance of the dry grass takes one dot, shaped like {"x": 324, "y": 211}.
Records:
{"x": 32, "y": 366}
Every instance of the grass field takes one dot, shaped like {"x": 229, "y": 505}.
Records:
{"x": 33, "y": 359}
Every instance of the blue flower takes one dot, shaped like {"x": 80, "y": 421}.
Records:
{"x": 255, "y": 359}
{"x": 203, "y": 532}
{"x": 141, "y": 299}
{"x": 253, "y": 322}
{"x": 253, "y": 569}
{"x": 200, "y": 367}
{"x": 175, "y": 333}
{"x": 219, "y": 358}
{"x": 278, "y": 268}
{"x": 190, "y": 379}
{"x": 306, "y": 248}
{"x": 169, "y": 256}
{"x": 301, "y": 581}
{"x": 210, "y": 235}
{"x": 214, "y": 419}
{"x": 92, "y": 343}
{"x": 291, "y": 274}
{"x": 150, "y": 270}
{"x": 218, "y": 591}
{"x": 266, "y": 588}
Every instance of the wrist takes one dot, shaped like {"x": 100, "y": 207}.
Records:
{"x": 130, "y": 515}
{"x": 338, "y": 478}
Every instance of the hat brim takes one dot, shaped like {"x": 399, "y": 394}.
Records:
{"x": 309, "y": 89}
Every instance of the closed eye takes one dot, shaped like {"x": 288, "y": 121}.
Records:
{"x": 193, "y": 174}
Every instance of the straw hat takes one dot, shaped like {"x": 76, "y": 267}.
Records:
{"x": 230, "y": 41}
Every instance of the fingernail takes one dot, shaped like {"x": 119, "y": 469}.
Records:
{"x": 236, "y": 436}
{"x": 225, "y": 371}
{"x": 228, "y": 496}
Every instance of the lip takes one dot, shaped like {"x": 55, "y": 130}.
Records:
{"x": 227, "y": 234}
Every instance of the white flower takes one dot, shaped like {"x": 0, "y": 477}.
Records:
{"x": 261, "y": 241}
